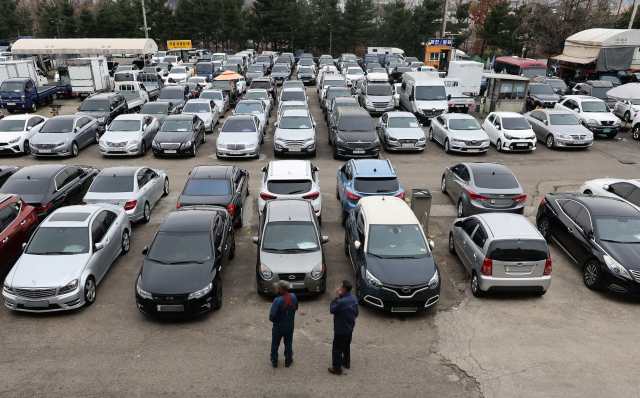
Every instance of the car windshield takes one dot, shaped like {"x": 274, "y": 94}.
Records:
{"x": 125, "y": 125}
{"x": 600, "y": 92}
{"x": 280, "y": 69}
{"x": 197, "y": 107}
{"x": 239, "y": 126}
{"x": 11, "y": 87}
{"x": 338, "y": 93}
{"x": 392, "y": 58}
{"x": 163, "y": 65}
{"x": 354, "y": 71}
{"x": 56, "y": 125}
{"x": 179, "y": 70}
{"x": 176, "y": 125}
{"x": 260, "y": 84}
{"x": 404, "y": 121}
{"x": 376, "y": 185}
{"x": 207, "y": 187}
{"x": 349, "y": 58}
{"x": 256, "y": 68}
{"x": 233, "y": 68}
{"x": 306, "y": 69}
{"x": 25, "y": 186}
{"x": 94, "y": 105}
{"x": 594, "y": 106}
{"x": 59, "y": 240}
{"x": 563, "y": 119}
{"x": 292, "y": 96}
{"x": 289, "y": 187}
{"x": 397, "y": 241}
{"x": 618, "y": 229}
{"x": 290, "y": 236}
{"x": 196, "y": 80}
{"x": 249, "y": 108}
{"x": 211, "y": 95}
{"x": 204, "y": 67}
{"x": 534, "y": 71}
{"x": 173, "y": 248}
{"x": 171, "y": 94}
{"x": 154, "y": 109}
{"x": 612, "y": 79}
{"x": 295, "y": 122}
{"x": 285, "y": 107}
{"x": 379, "y": 89}
{"x": 403, "y": 69}
{"x": 264, "y": 58}
{"x": 464, "y": 124}
{"x": 170, "y": 59}
{"x": 370, "y": 58}
{"x": 515, "y": 123}
{"x": 430, "y": 93}
{"x": 149, "y": 69}
{"x": 518, "y": 250}
{"x": 541, "y": 89}
{"x": 160, "y": 54}
{"x": 12, "y": 125}
{"x": 219, "y": 57}
{"x": 306, "y": 62}
{"x": 356, "y": 123}
{"x": 326, "y": 61}
{"x": 334, "y": 83}
{"x": 635, "y": 102}
{"x": 495, "y": 181}
{"x": 557, "y": 83}
{"x": 106, "y": 183}
{"x": 121, "y": 68}
{"x": 256, "y": 95}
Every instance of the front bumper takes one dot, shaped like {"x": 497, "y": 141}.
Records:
{"x": 569, "y": 143}
{"x": 345, "y": 150}
{"x": 598, "y": 129}
{"x": 131, "y": 149}
{"x": 519, "y": 145}
{"x": 537, "y": 284}
{"x": 159, "y": 151}
{"x": 461, "y": 146}
{"x": 15, "y": 105}
{"x": 241, "y": 153}
{"x": 176, "y": 308}
{"x": 12, "y": 149}
{"x": 380, "y": 109}
{"x": 64, "y": 150}
{"x": 619, "y": 284}
{"x": 281, "y": 148}
{"x": 307, "y": 285}
{"x": 389, "y": 300}
{"x": 427, "y": 115}
{"x": 61, "y": 302}
{"x": 308, "y": 80}
{"x": 401, "y": 146}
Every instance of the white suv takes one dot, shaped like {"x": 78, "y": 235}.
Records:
{"x": 509, "y": 131}
{"x": 291, "y": 179}
{"x": 592, "y": 112}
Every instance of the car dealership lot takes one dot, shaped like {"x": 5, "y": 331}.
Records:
{"x": 571, "y": 342}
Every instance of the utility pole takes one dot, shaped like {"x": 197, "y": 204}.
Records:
{"x": 444, "y": 19}
{"x": 144, "y": 18}
{"x": 331, "y": 39}
{"x": 57, "y": 26}
{"x": 633, "y": 14}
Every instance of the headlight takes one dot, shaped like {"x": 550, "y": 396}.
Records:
{"x": 200, "y": 293}
{"x": 154, "y": 143}
{"x": 299, "y": 77}
{"x": 312, "y": 138}
{"x": 186, "y": 144}
{"x": 277, "y": 137}
{"x": 100, "y": 120}
{"x": 561, "y": 135}
{"x": 372, "y": 280}
{"x": 69, "y": 287}
{"x": 422, "y": 139}
{"x": 63, "y": 142}
{"x": 375, "y": 142}
{"x": 390, "y": 138}
{"x": 616, "y": 268}
{"x": 133, "y": 142}
{"x": 457, "y": 140}
{"x": 251, "y": 145}
{"x": 341, "y": 141}
{"x": 14, "y": 141}
{"x": 7, "y": 288}
{"x": 392, "y": 101}
{"x": 366, "y": 101}
{"x": 317, "y": 271}
{"x": 507, "y": 136}
{"x": 590, "y": 136}
{"x": 220, "y": 144}
{"x": 433, "y": 283}
{"x": 592, "y": 121}
{"x": 616, "y": 122}
{"x": 265, "y": 272}
{"x": 142, "y": 293}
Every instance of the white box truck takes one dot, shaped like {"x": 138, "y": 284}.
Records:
{"x": 22, "y": 68}
{"x": 88, "y": 76}
{"x": 469, "y": 74}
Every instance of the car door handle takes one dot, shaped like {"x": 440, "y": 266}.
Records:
{"x": 570, "y": 230}
{"x": 5, "y": 240}
{"x": 475, "y": 258}
{"x": 23, "y": 222}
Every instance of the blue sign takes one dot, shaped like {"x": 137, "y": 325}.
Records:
{"x": 440, "y": 42}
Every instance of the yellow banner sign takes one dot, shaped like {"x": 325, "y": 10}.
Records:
{"x": 178, "y": 44}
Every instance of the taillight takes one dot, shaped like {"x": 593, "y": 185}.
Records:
{"x": 547, "y": 267}
{"x": 178, "y": 206}
{"x": 84, "y": 203}
{"x": 487, "y": 267}
{"x": 43, "y": 208}
{"x": 542, "y": 202}
{"x": 352, "y": 196}
{"x": 400, "y": 195}
{"x": 521, "y": 197}
{"x": 231, "y": 208}
{"x": 312, "y": 196}
{"x": 130, "y": 205}
{"x": 266, "y": 196}
{"x": 474, "y": 195}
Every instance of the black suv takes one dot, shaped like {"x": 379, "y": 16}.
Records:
{"x": 105, "y": 107}
{"x": 266, "y": 83}
{"x": 541, "y": 95}
{"x": 352, "y": 133}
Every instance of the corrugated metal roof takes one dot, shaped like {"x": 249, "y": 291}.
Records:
{"x": 84, "y": 46}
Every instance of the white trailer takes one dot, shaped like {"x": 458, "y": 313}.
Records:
{"x": 385, "y": 50}
{"x": 22, "y": 68}
{"x": 88, "y": 76}
{"x": 469, "y": 73}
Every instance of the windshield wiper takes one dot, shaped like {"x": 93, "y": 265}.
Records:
{"x": 185, "y": 262}
{"x": 375, "y": 255}
{"x": 55, "y": 253}
{"x": 402, "y": 257}
{"x": 616, "y": 241}
{"x": 158, "y": 261}
{"x": 292, "y": 250}
{"x": 295, "y": 192}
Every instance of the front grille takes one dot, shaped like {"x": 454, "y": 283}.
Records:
{"x": 606, "y": 123}
{"x": 432, "y": 113}
{"x": 44, "y": 146}
{"x": 170, "y": 298}
{"x": 4, "y": 143}
{"x": 405, "y": 291}
{"x": 117, "y": 144}
{"x": 635, "y": 274}
{"x": 235, "y": 147}
{"x": 408, "y": 141}
{"x": 380, "y": 104}
{"x": 358, "y": 145}
{"x": 288, "y": 277}
{"x": 294, "y": 142}
{"x": 517, "y": 147}
{"x": 169, "y": 146}
{"x": 579, "y": 137}
{"x": 473, "y": 142}
{"x": 36, "y": 293}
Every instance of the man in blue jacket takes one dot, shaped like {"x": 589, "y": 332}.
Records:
{"x": 282, "y": 314}
{"x": 344, "y": 308}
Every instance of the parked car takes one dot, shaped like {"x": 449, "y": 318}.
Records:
{"x": 6, "y": 172}
{"x": 129, "y": 135}
{"x": 391, "y": 259}
{"x": 159, "y": 110}
{"x": 281, "y": 72}
{"x": 181, "y": 272}
{"x": 352, "y": 133}
{"x": 65, "y": 135}
{"x": 291, "y": 179}
{"x": 400, "y": 131}
{"x": 334, "y": 92}
{"x": 597, "y": 89}
{"x": 219, "y": 97}
{"x": 377, "y": 97}
{"x": 256, "y": 70}
{"x": 626, "y": 110}
{"x": 104, "y": 107}
{"x": 335, "y": 102}
{"x": 290, "y": 248}
{"x": 295, "y": 134}
{"x": 559, "y": 129}
{"x": 359, "y": 178}
{"x": 255, "y": 108}
{"x": 459, "y": 133}
{"x": 66, "y": 258}
{"x": 378, "y": 75}
{"x": 18, "y": 221}
{"x": 627, "y": 190}
{"x": 178, "y": 75}
{"x": 598, "y": 233}
{"x": 217, "y": 185}
{"x": 206, "y": 110}
{"x": 24, "y": 94}
{"x": 292, "y": 94}
{"x": 289, "y": 105}
{"x": 559, "y": 86}
{"x": 179, "y": 135}
{"x": 177, "y": 95}
{"x": 509, "y": 131}
{"x": 352, "y": 74}
{"x": 478, "y": 188}
{"x": 240, "y": 136}
{"x": 502, "y": 253}
{"x": 592, "y": 113}
{"x": 262, "y": 95}
{"x": 330, "y": 81}
{"x": 541, "y": 95}
{"x": 267, "y": 83}
{"x": 307, "y": 74}
{"x": 17, "y": 130}
{"x": 397, "y": 72}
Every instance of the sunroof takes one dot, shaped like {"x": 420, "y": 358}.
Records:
{"x": 77, "y": 217}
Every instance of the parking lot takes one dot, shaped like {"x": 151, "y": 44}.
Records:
{"x": 571, "y": 342}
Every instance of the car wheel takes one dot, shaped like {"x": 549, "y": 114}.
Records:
{"x": 96, "y": 136}
{"x": 443, "y": 185}
{"x": 204, "y": 138}
{"x": 452, "y": 247}
{"x": 241, "y": 218}
{"x": 543, "y": 227}
{"x": 431, "y": 134}
{"x": 499, "y": 145}
{"x": 329, "y": 137}
{"x": 460, "y": 208}
{"x": 89, "y": 291}
{"x": 258, "y": 154}
{"x": 143, "y": 148}
{"x": 218, "y": 295}
{"x": 74, "y": 149}
{"x": 165, "y": 192}
{"x": 627, "y": 117}
{"x": 446, "y": 147}
{"x": 635, "y": 132}
{"x": 26, "y": 149}
{"x": 337, "y": 192}
{"x": 591, "y": 274}
{"x": 146, "y": 216}
{"x": 587, "y": 192}
{"x": 34, "y": 107}
{"x": 126, "y": 242}
{"x": 549, "y": 141}
{"x": 475, "y": 286}
{"x": 359, "y": 291}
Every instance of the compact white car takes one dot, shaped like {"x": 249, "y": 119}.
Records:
{"x": 509, "y": 131}
{"x": 291, "y": 179}
{"x": 626, "y": 110}
{"x": 593, "y": 114}
{"x": 206, "y": 110}
{"x": 16, "y": 132}
{"x": 177, "y": 75}
{"x": 627, "y": 190}
{"x": 202, "y": 81}
{"x": 353, "y": 74}
{"x": 378, "y": 75}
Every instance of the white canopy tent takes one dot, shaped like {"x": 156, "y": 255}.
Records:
{"x": 84, "y": 46}
{"x": 610, "y": 49}
{"x": 629, "y": 91}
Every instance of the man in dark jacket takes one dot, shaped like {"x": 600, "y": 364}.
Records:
{"x": 282, "y": 314}
{"x": 344, "y": 308}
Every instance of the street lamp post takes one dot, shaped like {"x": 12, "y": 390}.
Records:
{"x": 57, "y": 26}
{"x": 144, "y": 19}
{"x": 331, "y": 39}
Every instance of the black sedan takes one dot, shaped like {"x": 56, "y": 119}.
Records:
{"x": 397, "y": 72}
{"x": 179, "y": 135}
{"x": 217, "y": 185}
{"x": 180, "y": 275}
{"x": 159, "y": 109}
{"x": 48, "y": 187}
{"x": 601, "y": 234}
{"x": 6, "y": 172}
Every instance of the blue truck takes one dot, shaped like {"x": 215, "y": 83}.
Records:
{"x": 21, "y": 93}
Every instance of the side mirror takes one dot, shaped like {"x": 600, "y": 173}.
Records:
{"x": 98, "y": 246}
{"x": 546, "y": 122}
{"x": 340, "y": 168}
{"x": 29, "y": 128}
{"x": 264, "y": 169}
{"x": 145, "y": 250}
{"x": 24, "y": 246}
{"x": 606, "y": 187}
{"x": 255, "y": 240}
{"x": 498, "y": 127}
{"x": 420, "y": 124}
{"x": 431, "y": 244}
{"x": 357, "y": 244}
{"x": 448, "y": 97}
{"x": 588, "y": 232}
{"x": 78, "y": 109}
{"x": 325, "y": 239}
{"x": 275, "y": 124}
{"x": 315, "y": 168}
{"x": 76, "y": 129}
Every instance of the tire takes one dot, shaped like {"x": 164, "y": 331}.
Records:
{"x": 146, "y": 215}
{"x": 591, "y": 274}
{"x": 446, "y": 146}
{"x": 143, "y": 148}
{"x": 96, "y": 136}
{"x": 232, "y": 251}
{"x": 359, "y": 291}
{"x": 89, "y": 291}
{"x": 431, "y": 134}
{"x": 460, "y": 209}
{"x": 204, "y": 137}
{"x": 635, "y": 132}
{"x": 452, "y": 247}
{"x": 443, "y": 185}
{"x": 549, "y": 141}
{"x": 165, "y": 191}
{"x": 499, "y": 145}
{"x": 218, "y": 295}
{"x": 337, "y": 192}
{"x": 193, "y": 150}
{"x": 34, "y": 107}
{"x": 543, "y": 227}
{"x": 126, "y": 242}
{"x": 475, "y": 286}
{"x": 26, "y": 149}
{"x": 320, "y": 220}
{"x": 329, "y": 137}
{"x": 258, "y": 154}
{"x": 627, "y": 117}
{"x": 74, "y": 149}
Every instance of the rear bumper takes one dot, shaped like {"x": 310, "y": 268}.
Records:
{"x": 476, "y": 208}
{"x": 537, "y": 284}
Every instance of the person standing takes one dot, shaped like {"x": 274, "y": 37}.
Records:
{"x": 344, "y": 308}
{"x": 282, "y": 314}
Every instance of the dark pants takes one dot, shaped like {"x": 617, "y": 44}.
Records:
{"x": 341, "y": 349}
{"x": 275, "y": 344}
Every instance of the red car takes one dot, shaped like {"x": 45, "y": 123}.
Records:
{"x": 18, "y": 221}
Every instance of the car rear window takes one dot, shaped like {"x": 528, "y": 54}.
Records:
{"x": 210, "y": 95}
{"x": 207, "y": 187}
{"x": 495, "y": 181}
{"x": 518, "y": 250}
{"x": 376, "y": 185}
{"x": 292, "y": 96}
{"x": 25, "y": 186}
{"x": 289, "y": 187}
{"x": 108, "y": 184}
{"x": 260, "y": 84}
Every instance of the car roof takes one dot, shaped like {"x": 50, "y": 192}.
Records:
{"x": 554, "y": 111}
{"x": 509, "y": 225}
{"x": 39, "y": 170}
{"x": 292, "y": 89}
{"x": 177, "y": 87}
{"x": 131, "y": 116}
{"x": 188, "y": 220}
{"x": 457, "y": 116}
{"x": 404, "y": 114}
{"x": 352, "y": 110}
{"x": 605, "y": 206}
{"x": 24, "y": 116}
{"x": 241, "y": 117}
{"x": 200, "y": 100}
{"x": 375, "y": 167}
{"x": 103, "y": 95}
{"x": 250, "y": 102}
{"x": 583, "y": 98}
{"x": 188, "y": 117}
{"x": 295, "y": 112}
{"x": 289, "y": 169}
{"x": 120, "y": 171}
{"x": 387, "y": 210}
{"x": 488, "y": 168}
{"x": 72, "y": 216}
{"x": 289, "y": 210}
{"x": 210, "y": 171}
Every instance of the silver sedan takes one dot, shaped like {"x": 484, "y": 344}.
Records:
{"x": 206, "y": 110}
{"x": 129, "y": 135}
{"x": 400, "y": 131}
{"x": 459, "y": 133}
{"x": 66, "y": 258}
{"x": 65, "y": 135}
{"x": 558, "y": 128}
{"x": 220, "y": 98}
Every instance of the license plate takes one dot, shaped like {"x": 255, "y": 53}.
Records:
{"x": 170, "y": 308}
{"x": 298, "y": 285}
{"x": 473, "y": 150}
{"x": 578, "y": 142}
{"x": 120, "y": 149}
{"x": 11, "y": 103}
{"x": 45, "y": 151}
{"x": 604, "y": 130}
{"x": 294, "y": 149}
{"x": 522, "y": 144}
{"x": 407, "y": 145}
{"x": 460, "y": 106}
{"x": 36, "y": 304}
{"x": 235, "y": 152}
{"x": 169, "y": 151}
{"x": 404, "y": 309}
{"x": 358, "y": 152}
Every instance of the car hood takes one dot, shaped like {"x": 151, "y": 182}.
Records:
{"x": 238, "y": 138}
{"x": 295, "y": 134}
{"x": 177, "y": 76}
{"x": 49, "y": 138}
{"x": 520, "y": 133}
{"x": 406, "y": 133}
{"x": 377, "y": 76}
{"x": 94, "y": 114}
{"x": 282, "y": 263}
{"x": 306, "y": 74}
{"x": 279, "y": 74}
{"x": 571, "y": 129}
{"x": 435, "y": 104}
{"x": 469, "y": 134}
{"x": 401, "y": 272}
{"x": 119, "y": 136}
{"x": 546, "y": 97}
{"x": 627, "y": 254}
{"x": 379, "y": 98}
{"x": 33, "y": 271}
{"x": 253, "y": 75}
{"x": 159, "y": 278}
{"x": 258, "y": 115}
{"x": 355, "y": 136}
{"x": 601, "y": 116}
{"x": 6, "y": 136}
{"x": 173, "y": 136}
{"x": 218, "y": 200}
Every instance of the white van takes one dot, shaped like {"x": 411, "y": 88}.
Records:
{"x": 469, "y": 74}
{"x": 423, "y": 94}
